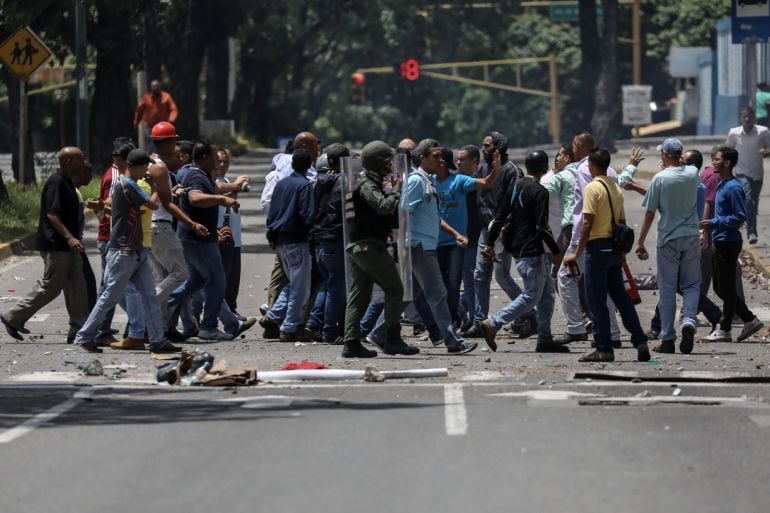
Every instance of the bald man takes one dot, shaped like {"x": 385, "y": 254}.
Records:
{"x": 58, "y": 240}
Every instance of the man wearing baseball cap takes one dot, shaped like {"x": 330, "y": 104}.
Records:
{"x": 127, "y": 261}
{"x": 674, "y": 193}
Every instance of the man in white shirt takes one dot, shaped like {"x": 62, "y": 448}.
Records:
{"x": 752, "y": 142}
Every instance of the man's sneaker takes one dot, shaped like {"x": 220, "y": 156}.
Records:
{"x": 316, "y": 335}
{"x": 652, "y": 334}
{"x": 598, "y": 356}
{"x": 166, "y": 348}
{"x": 272, "y": 329}
{"x": 568, "y": 338}
{"x": 719, "y": 336}
{"x": 462, "y": 348}
{"x": 666, "y": 346}
{"x": 333, "y": 342}
{"x": 128, "y": 343}
{"x": 245, "y": 325}
{"x": 418, "y": 329}
{"x": 489, "y": 334}
{"x": 215, "y": 335}
{"x": 376, "y": 343}
{"x": 551, "y": 347}
{"x": 642, "y": 352}
{"x": 749, "y": 328}
{"x": 752, "y": 240}
{"x": 688, "y": 338}
{"x": 14, "y": 332}
{"x": 398, "y": 346}
{"x": 473, "y": 332}
{"x": 303, "y": 335}
{"x": 354, "y": 349}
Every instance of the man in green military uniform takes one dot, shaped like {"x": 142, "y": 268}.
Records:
{"x": 375, "y": 215}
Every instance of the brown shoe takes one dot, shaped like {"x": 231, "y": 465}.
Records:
{"x": 90, "y": 347}
{"x": 598, "y": 356}
{"x": 128, "y": 343}
{"x": 489, "y": 334}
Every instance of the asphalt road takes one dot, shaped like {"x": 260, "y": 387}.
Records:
{"x": 502, "y": 430}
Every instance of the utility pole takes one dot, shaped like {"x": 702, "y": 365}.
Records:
{"x": 81, "y": 78}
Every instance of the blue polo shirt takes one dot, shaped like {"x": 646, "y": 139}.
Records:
{"x": 674, "y": 192}
{"x": 452, "y": 204}
{"x": 424, "y": 220}
{"x": 730, "y": 212}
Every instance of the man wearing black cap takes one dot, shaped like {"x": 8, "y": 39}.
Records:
{"x": 60, "y": 247}
{"x": 292, "y": 212}
{"x": 451, "y": 190}
{"x": 127, "y": 261}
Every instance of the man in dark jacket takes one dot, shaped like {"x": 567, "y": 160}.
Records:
{"x": 329, "y": 308}
{"x": 488, "y": 201}
{"x": 523, "y": 214}
{"x": 292, "y": 213}
{"x": 374, "y": 215}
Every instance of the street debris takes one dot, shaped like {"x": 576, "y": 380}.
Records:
{"x": 92, "y": 369}
{"x": 373, "y": 375}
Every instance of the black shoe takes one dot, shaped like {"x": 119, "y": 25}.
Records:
{"x": 598, "y": 356}
{"x": 303, "y": 335}
{"x": 642, "y": 352}
{"x": 551, "y": 347}
{"x": 245, "y": 325}
{"x": 473, "y": 332}
{"x": 240, "y": 317}
{"x": 462, "y": 348}
{"x": 688, "y": 337}
{"x": 528, "y": 329}
{"x": 354, "y": 349}
{"x": 14, "y": 332}
{"x": 652, "y": 334}
{"x": 398, "y": 346}
{"x": 665, "y": 346}
{"x": 333, "y": 342}
{"x": 272, "y": 330}
{"x": 616, "y": 344}
{"x": 572, "y": 337}
{"x": 418, "y": 329}
{"x": 166, "y": 348}
{"x": 316, "y": 335}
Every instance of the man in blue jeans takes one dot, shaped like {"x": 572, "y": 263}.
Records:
{"x": 674, "y": 193}
{"x": 424, "y": 222}
{"x": 524, "y": 214}
{"x": 127, "y": 261}
{"x": 603, "y": 200}
{"x": 292, "y": 212}
{"x": 204, "y": 262}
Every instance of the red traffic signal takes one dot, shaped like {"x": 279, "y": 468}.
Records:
{"x": 358, "y": 79}
{"x": 410, "y": 69}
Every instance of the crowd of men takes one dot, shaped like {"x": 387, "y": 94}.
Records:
{"x": 361, "y": 244}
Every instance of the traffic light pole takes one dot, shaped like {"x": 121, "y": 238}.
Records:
{"x": 81, "y": 78}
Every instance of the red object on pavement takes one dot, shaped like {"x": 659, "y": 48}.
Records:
{"x": 303, "y": 366}
{"x": 630, "y": 286}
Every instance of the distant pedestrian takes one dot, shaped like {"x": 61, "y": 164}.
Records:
{"x": 155, "y": 106}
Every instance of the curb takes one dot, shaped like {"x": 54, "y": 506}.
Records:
{"x": 759, "y": 261}
{"x": 18, "y": 246}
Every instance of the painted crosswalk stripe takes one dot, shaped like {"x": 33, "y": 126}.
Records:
{"x": 47, "y": 416}
{"x": 455, "y": 417}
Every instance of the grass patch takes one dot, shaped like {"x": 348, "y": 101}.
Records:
{"x": 19, "y": 216}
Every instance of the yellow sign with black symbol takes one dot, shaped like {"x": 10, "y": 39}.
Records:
{"x": 23, "y": 53}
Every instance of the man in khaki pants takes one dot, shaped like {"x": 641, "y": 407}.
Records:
{"x": 60, "y": 247}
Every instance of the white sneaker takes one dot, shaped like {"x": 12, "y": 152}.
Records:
{"x": 719, "y": 336}
{"x": 749, "y": 328}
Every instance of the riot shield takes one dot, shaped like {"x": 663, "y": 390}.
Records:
{"x": 403, "y": 244}
{"x": 348, "y": 178}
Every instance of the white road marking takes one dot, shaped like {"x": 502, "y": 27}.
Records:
{"x": 545, "y": 395}
{"x": 46, "y": 377}
{"x": 47, "y": 416}
{"x": 455, "y": 417}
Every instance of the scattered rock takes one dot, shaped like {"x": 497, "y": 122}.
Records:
{"x": 487, "y": 360}
{"x": 677, "y": 392}
{"x": 646, "y": 393}
{"x": 373, "y": 375}
{"x": 93, "y": 369}
{"x": 637, "y": 380}
{"x": 541, "y": 382}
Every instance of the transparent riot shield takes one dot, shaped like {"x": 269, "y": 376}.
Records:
{"x": 403, "y": 244}
{"x": 348, "y": 178}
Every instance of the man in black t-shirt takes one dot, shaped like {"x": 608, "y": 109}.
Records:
{"x": 58, "y": 240}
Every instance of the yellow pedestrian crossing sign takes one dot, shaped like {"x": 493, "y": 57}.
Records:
{"x": 23, "y": 53}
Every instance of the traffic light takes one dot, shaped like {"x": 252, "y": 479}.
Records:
{"x": 410, "y": 69}
{"x": 359, "y": 96}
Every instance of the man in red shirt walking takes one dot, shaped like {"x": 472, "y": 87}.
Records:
{"x": 155, "y": 106}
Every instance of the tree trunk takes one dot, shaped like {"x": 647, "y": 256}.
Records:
{"x": 112, "y": 104}
{"x": 217, "y": 69}
{"x": 607, "y": 87}
{"x": 590, "y": 61}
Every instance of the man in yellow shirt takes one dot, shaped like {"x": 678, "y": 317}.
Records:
{"x": 604, "y": 261}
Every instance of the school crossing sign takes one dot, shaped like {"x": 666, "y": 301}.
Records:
{"x": 23, "y": 53}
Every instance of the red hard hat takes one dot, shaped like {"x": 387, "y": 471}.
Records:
{"x": 163, "y": 130}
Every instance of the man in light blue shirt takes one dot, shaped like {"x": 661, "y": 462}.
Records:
{"x": 674, "y": 193}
